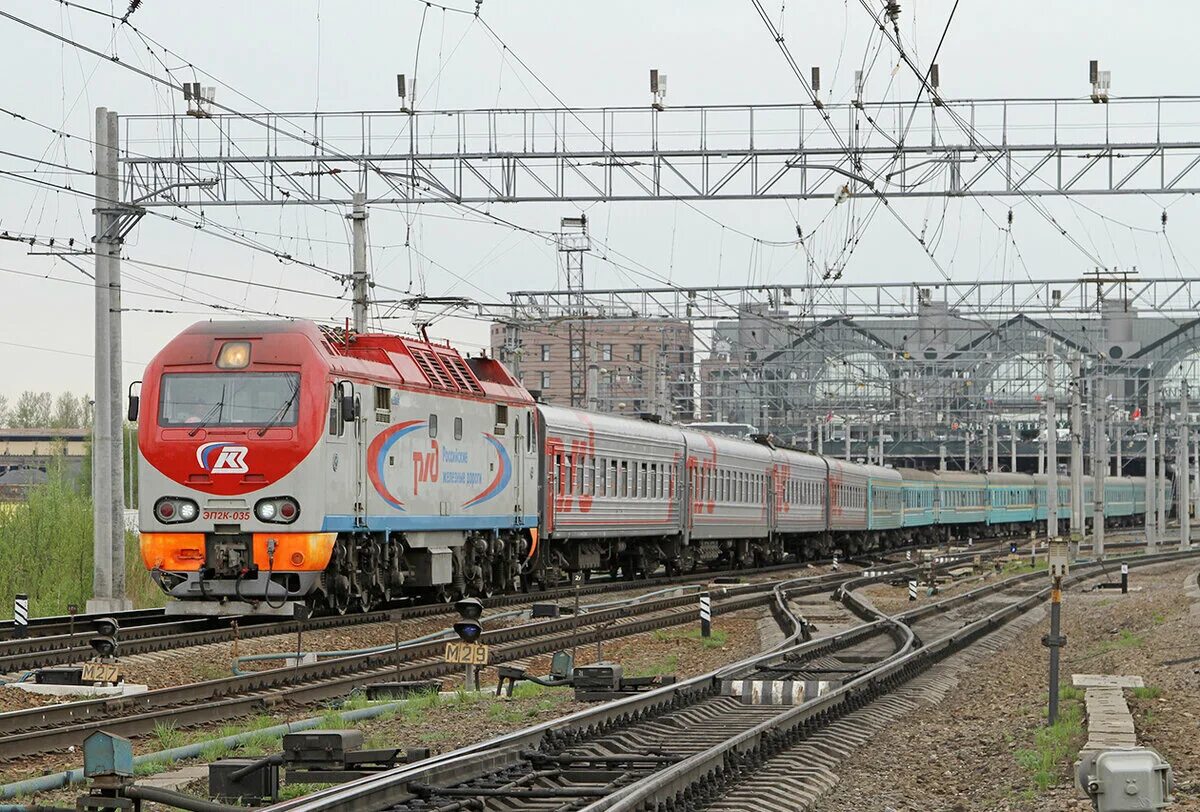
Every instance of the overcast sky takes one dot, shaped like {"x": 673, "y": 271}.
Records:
{"x": 305, "y": 55}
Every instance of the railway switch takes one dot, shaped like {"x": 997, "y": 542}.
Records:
{"x": 244, "y": 779}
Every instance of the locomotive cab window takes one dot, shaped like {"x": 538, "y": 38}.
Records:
{"x": 501, "y": 418}
{"x": 383, "y": 404}
{"x": 337, "y": 426}
{"x": 458, "y": 428}
{"x": 433, "y": 425}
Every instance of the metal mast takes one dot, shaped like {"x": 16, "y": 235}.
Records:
{"x": 1051, "y": 445}
{"x": 573, "y": 243}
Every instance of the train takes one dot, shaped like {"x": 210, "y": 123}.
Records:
{"x": 288, "y": 468}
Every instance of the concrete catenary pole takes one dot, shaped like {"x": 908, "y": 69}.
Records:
{"x": 1099, "y": 469}
{"x": 102, "y": 439}
{"x": 1012, "y": 447}
{"x": 1160, "y": 500}
{"x": 1077, "y": 472}
{"x": 1182, "y": 473}
{"x": 116, "y": 389}
{"x": 1051, "y": 445}
{"x": 1151, "y": 466}
{"x": 358, "y": 222}
{"x": 995, "y": 447}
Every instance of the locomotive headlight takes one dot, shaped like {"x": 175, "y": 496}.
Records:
{"x": 279, "y": 510}
{"x": 173, "y": 510}
{"x": 234, "y": 355}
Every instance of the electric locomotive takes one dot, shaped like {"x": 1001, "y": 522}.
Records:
{"x": 280, "y": 464}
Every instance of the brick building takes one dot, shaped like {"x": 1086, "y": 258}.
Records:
{"x": 642, "y": 366}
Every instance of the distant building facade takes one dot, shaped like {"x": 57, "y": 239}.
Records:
{"x": 623, "y": 366}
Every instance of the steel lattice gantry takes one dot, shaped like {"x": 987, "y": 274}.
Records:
{"x": 982, "y": 147}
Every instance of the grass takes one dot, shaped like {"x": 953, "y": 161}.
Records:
{"x": 1055, "y": 745}
{"x": 418, "y": 704}
{"x": 54, "y": 525}
{"x": 169, "y": 736}
{"x": 289, "y": 791}
{"x": 658, "y": 668}
{"x": 717, "y": 640}
{"x": 1126, "y": 639}
{"x": 1147, "y": 692}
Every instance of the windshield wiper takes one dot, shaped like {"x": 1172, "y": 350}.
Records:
{"x": 213, "y": 412}
{"x": 282, "y": 411}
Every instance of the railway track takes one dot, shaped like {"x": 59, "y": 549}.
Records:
{"x": 54, "y": 641}
{"x": 56, "y": 727}
{"x": 697, "y": 744}
{"x": 152, "y": 631}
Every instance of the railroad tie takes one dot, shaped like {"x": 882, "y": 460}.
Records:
{"x": 777, "y": 692}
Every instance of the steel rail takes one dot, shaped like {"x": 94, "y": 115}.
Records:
{"x": 388, "y": 789}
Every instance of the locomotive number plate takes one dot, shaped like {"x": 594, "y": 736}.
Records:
{"x": 227, "y": 515}
{"x": 467, "y": 653}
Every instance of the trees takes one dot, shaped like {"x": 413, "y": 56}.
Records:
{"x": 67, "y": 412}
{"x": 37, "y": 410}
{"x": 32, "y": 410}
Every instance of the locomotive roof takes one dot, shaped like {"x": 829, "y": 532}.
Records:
{"x": 397, "y": 360}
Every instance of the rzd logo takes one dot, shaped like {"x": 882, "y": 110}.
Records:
{"x": 222, "y": 458}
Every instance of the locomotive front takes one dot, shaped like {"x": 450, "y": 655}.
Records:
{"x": 232, "y": 501}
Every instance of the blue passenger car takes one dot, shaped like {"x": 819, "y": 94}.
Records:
{"x": 884, "y": 498}
{"x": 962, "y": 498}
{"x": 1011, "y": 498}
{"x": 919, "y": 492}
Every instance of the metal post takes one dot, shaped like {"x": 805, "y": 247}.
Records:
{"x": 1183, "y": 474}
{"x": 1051, "y": 445}
{"x": 1077, "y": 516}
{"x": 881, "y": 444}
{"x": 995, "y": 448}
{"x": 1124, "y": 578}
{"x": 820, "y": 438}
{"x": 102, "y": 439}
{"x": 358, "y": 220}
{"x": 846, "y": 424}
{"x": 577, "y": 577}
{"x": 1012, "y": 447}
{"x": 21, "y": 616}
{"x": 1116, "y": 433}
{"x": 705, "y": 615}
{"x": 396, "y": 648}
{"x": 967, "y": 451}
{"x": 470, "y": 678}
{"x": 1099, "y": 470}
{"x": 1151, "y": 477}
{"x": 1054, "y": 642}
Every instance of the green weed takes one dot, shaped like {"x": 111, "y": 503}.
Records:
{"x": 215, "y": 751}
{"x": 658, "y": 668}
{"x": 169, "y": 736}
{"x": 1147, "y": 692}
{"x": 55, "y": 524}
{"x": 417, "y": 704}
{"x": 717, "y": 640}
{"x": 150, "y": 768}
{"x": 1055, "y": 745}
{"x": 1126, "y": 639}
{"x": 289, "y": 791}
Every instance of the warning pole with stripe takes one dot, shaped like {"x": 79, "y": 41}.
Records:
{"x": 21, "y": 616}
{"x": 912, "y": 590}
{"x": 705, "y": 615}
